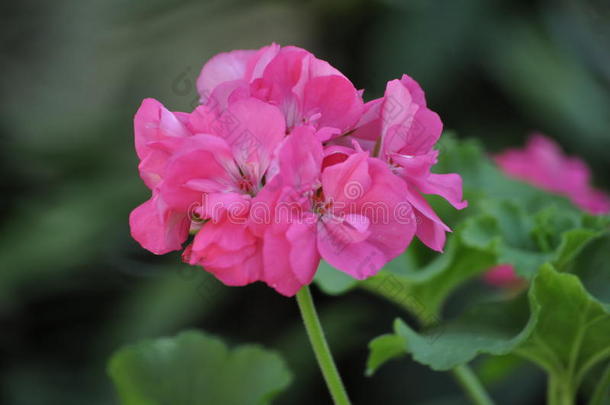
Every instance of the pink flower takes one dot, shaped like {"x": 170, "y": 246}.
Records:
{"x": 354, "y": 214}
{"x": 306, "y": 89}
{"x": 277, "y": 169}
{"x": 405, "y": 131}
{"x": 212, "y": 170}
{"x": 543, "y": 164}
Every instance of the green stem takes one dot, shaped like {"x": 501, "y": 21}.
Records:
{"x": 559, "y": 391}
{"x": 471, "y": 384}
{"x": 320, "y": 347}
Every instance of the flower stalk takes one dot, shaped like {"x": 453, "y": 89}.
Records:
{"x": 471, "y": 385}
{"x": 320, "y": 347}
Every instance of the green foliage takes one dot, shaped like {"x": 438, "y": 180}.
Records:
{"x": 193, "y": 368}
{"x": 566, "y": 332}
{"x": 384, "y": 348}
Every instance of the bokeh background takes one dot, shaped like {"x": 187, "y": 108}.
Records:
{"x": 74, "y": 286}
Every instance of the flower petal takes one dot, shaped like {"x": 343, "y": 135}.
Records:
{"x": 253, "y": 129}
{"x": 336, "y": 100}
{"x": 290, "y": 259}
{"x": 203, "y": 164}
{"x": 448, "y": 186}
{"x": 430, "y": 229}
{"x": 157, "y": 132}
{"x": 229, "y": 251}
{"x": 158, "y": 228}
{"x": 348, "y": 181}
{"x": 224, "y": 67}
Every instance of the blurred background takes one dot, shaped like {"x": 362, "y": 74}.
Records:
{"x": 74, "y": 286}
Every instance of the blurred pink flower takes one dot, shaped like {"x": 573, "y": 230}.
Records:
{"x": 543, "y": 164}
{"x": 502, "y": 275}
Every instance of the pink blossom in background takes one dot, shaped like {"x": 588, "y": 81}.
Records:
{"x": 502, "y": 275}
{"x": 277, "y": 169}
{"x": 543, "y": 164}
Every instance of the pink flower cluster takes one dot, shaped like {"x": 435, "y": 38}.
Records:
{"x": 543, "y": 164}
{"x": 283, "y": 164}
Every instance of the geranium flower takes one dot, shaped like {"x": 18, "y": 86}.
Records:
{"x": 277, "y": 169}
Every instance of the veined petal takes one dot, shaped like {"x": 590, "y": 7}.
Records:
{"x": 430, "y": 228}
{"x": 256, "y": 129}
{"x": 204, "y": 164}
{"x": 224, "y": 67}
{"x": 348, "y": 181}
{"x": 158, "y": 228}
{"x": 157, "y": 133}
{"x": 448, "y": 186}
{"x": 336, "y": 100}
{"x": 229, "y": 251}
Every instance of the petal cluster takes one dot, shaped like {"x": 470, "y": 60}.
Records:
{"x": 283, "y": 164}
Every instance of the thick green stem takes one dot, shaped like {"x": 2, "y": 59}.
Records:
{"x": 320, "y": 347}
{"x": 471, "y": 384}
{"x": 559, "y": 391}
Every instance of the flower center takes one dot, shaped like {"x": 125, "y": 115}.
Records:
{"x": 319, "y": 203}
{"x": 394, "y": 167}
{"x": 246, "y": 185}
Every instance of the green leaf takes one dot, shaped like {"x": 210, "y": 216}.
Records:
{"x": 593, "y": 267}
{"x": 491, "y": 329}
{"x": 194, "y": 368}
{"x": 566, "y": 331}
{"x": 382, "y": 349}
{"x": 333, "y": 281}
